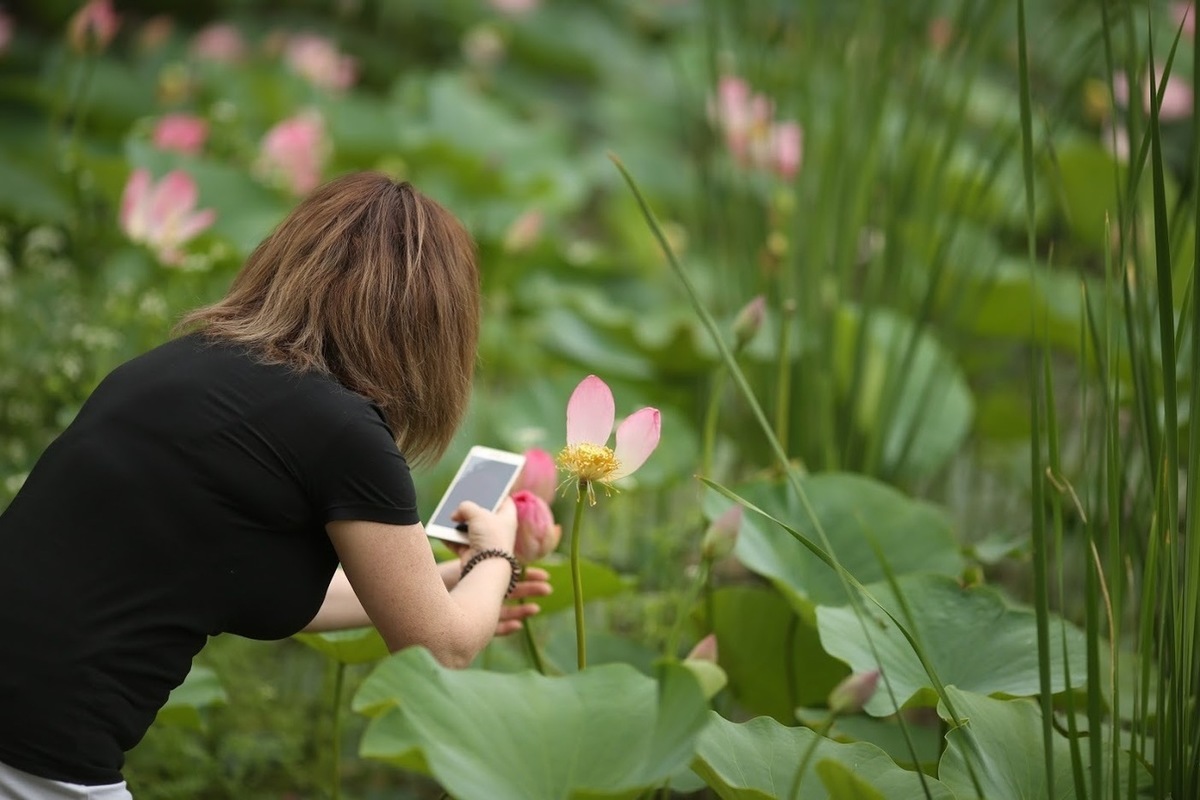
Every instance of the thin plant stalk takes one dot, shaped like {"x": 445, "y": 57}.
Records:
{"x": 335, "y": 778}
{"x": 711, "y": 415}
{"x": 689, "y": 600}
{"x": 535, "y": 655}
{"x": 577, "y": 579}
{"x": 783, "y": 380}
{"x": 794, "y": 792}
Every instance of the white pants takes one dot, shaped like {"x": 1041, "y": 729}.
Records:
{"x": 17, "y": 785}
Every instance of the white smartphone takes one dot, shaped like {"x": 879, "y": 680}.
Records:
{"x": 485, "y": 477}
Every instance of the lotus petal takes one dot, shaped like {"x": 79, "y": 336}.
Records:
{"x": 637, "y": 436}
{"x": 590, "y": 412}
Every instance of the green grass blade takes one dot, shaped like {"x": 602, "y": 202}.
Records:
{"x": 1040, "y": 577}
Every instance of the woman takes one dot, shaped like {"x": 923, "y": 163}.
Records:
{"x": 215, "y": 483}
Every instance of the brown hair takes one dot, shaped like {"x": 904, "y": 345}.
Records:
{"x": 375, "y": 284}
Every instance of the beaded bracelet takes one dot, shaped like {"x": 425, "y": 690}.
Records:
{"x": 493, "y": 552}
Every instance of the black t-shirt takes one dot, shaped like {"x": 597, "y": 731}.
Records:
{"x": 188, "y": 498}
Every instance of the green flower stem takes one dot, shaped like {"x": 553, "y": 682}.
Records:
{"x": 688, "y": 602}
{"x": 783, "y": 385}
{"x": 710, "y": 607}
{"x": 710, "y": 419}
{"x": 794, "y": 792}
{"x": 576, "y": 578}
{"x": 535, "y": 655}
{"x": 335, "y": 779}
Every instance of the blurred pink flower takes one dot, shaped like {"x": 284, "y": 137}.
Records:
{"x": 155, "y": 32}
{"x": 1178, "y": 96}
{"x": 754, "y": 139}
{"x": 523, "y": 232}
{"x": 93, "y": 26}
{"x": 786, "y": 149}
{"x": 181, "y": 133}
{"x": 318, "y": 61}
{"x": 1185, "y": 14}
{"x": 6, "y": 32}
{"x": 537, "y": 535}
{"x": 705, "y": 649}
{"x": 849, "y": 696}
{"x": 219, "y": 42}
{"x": 722, "y": 534}
{"x": 749, "y": 321}
{"x": 163, "y": 216}
{"x": 483, "y": 46}
{"x": 591, "y": 413}
{"x": 940, "y": 34}
{"x": 514, "y": 6}
{"x": 539, "y": 475}
{"x": 293, "y": 153}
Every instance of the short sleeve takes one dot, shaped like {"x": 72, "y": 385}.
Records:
{"x": 361, "y": 474}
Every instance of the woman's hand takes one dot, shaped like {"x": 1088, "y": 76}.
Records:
{"x": 534, "y": 583}
{"x": 487, "y": 530}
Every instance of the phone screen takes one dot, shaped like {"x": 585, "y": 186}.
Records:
{"x": 482, "y": 481}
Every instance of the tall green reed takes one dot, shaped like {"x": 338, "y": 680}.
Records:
{"x": 1134, "y": 510}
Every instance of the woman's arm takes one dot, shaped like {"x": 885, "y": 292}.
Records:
{"x": 343, "y": 610}
{"x": 392, "y": 571}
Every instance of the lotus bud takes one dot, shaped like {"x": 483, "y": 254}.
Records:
{"x": 705, "y": 649}
{"x": 539, "y": 475}
{"x": 92, "y": 28}
{"x": 537, "y": 535}
{"x": 748, "y": 322}
{"x": 849, "y": 696}
{"x": 721, "y": 536}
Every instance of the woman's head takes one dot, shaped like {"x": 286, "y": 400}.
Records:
{"x": 376, "y": 284}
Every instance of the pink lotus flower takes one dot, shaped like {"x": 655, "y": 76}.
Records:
{"x": 181, "y": 133}
{"x": 591, "y": 413}
{"x": 514, "y": 7}
{"x": 318, "y": 61}
{"x": 163, "y": 216}
{"x": 706, "y": 648}
{"x": 849, "y": 696}
{"x": 93, "y": 26}
{"x": 753, "y": 137}
{"x": 722, "y": 535}
{"x": 6, "y": 32}
{"x": 1185, "y": 14}
{"x": 537, "y": 534}
{"x": 293, "y": 153}
{"x": 539, "y": 475}
{"x": 219, "y": 42}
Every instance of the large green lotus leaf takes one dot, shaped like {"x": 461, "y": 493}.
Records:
{"x": 972, "y": 638}
{"x": 1089, "y": 178}
{"x": 354, "y": 646}
{"x": 199, "y": 690}
{"x": 842, "y": 784}
{"x": 864, "y": 520}
{"x": 921, "y": 405}
{"x": 1002, "y": 740}
{"x": 758, "y": 760}
{"x": 606, "y": 732}
{"x": 885, "y": 734}
{"x": 772, "y": 656}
